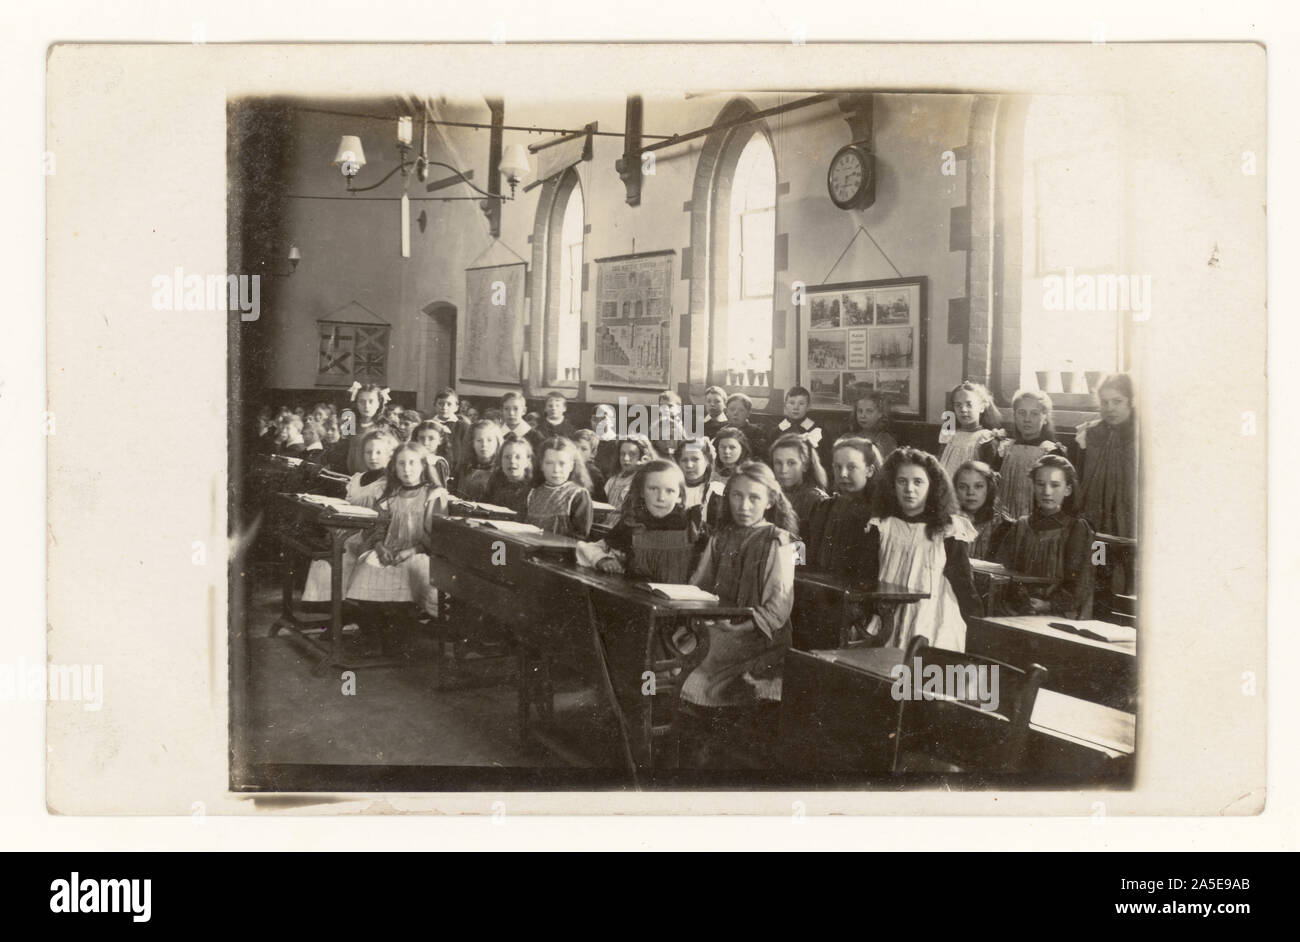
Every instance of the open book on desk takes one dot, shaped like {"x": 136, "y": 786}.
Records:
{"x": 322, "y": 500}
{"x": 353, "y": 511}
{"x": 470, "y": 508}
{"x": 512, "y": 526}
{"x": 997, "y": 570}
{"x": 1096, "y": 630}
{"x": 680, "y": 592}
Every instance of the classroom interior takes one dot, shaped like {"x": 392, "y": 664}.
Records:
{"x": 488, "y": 246}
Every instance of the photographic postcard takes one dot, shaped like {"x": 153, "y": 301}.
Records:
{"x": 268, "y": 244}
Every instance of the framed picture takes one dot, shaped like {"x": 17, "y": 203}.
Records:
{"x": 864, "y": 333}
{"x": 634, "y": 300}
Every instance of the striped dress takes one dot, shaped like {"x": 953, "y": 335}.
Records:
{"x": 1056, "y": 546}
{"x": 563, "y": 509}
{"x": 1108, "y": 476}
{"x": 753, "y": 567}
{"x": 1013, "y": 458}
{"x": 657, "y": 550}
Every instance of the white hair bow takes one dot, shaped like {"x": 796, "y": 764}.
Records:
{"x": 813, "y": 437}
{"x": 353, "y": 390}
{"x": 384, "y": 394}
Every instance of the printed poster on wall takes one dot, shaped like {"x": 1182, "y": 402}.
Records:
{"x": 633, "y": 318}
{"x": 864, "y": 333}
{"x": 493, "y": 331}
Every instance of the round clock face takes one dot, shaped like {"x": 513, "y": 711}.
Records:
{"x": 848, "y": 176}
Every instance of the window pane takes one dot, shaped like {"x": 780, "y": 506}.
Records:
{"x": 757, "y": 253}
{"x": 752, "y": 264}
{"x": 1073, "y": 213}
{"x": 568, "y": 352}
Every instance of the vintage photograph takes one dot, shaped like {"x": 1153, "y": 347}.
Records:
{"x": 857, "y": 309}
{"x": 828, "y": 351}
{"x": 825, "y": 388}
{"x": 508, "y": 532}
{"x": 890, "y": 348}
{"x": 825, "y": 312}
{"x": 892, "y": 307}
{"x": 520, "y": 457}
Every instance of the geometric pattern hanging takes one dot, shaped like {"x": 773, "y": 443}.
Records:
{"x": 351, "y": 353}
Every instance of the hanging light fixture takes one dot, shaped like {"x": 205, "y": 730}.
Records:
{"x": 515, "y": 166}
{"x": 351, "y": 157}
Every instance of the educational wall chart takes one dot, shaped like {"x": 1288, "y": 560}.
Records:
{"x": 494, "y": 324}
{"x": 864, "y": 333}
{"x": 633, "y": 317}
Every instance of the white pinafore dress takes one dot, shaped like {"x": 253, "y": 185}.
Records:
{"x": 963, "y": 446}
{"x": 318, "y": 576}
{"x": 409, "y": 511}
{"x": 909, "y": 557}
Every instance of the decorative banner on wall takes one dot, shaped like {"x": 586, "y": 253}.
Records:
{"x": 353, "y": 347}
{"x": 494, "y": 324}
{"x": 864, "y": 333}
{"x": 633, "y": 316}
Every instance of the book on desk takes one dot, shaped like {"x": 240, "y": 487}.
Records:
{"x": 680, "y": 592}
{"x": 477, "y": 508}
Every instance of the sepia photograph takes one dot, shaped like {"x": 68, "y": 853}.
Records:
{"x": 825, "y": 313}
{"x": 619, "y": 439}
{"x": 429, "y": 504}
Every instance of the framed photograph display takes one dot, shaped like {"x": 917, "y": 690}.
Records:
{"x": 864, "y": 333}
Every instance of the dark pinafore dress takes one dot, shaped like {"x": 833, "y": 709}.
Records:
{"x": 551, "y": 508}
{"x": 739, "y": 564}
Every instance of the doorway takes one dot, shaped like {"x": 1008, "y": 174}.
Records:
{"x": 438, "y": 352}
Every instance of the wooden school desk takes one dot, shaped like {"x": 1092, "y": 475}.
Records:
{"x": 1116, "y": 594}
{"x": 884, "y": 597}
{"x": 529, "y": 583}
{"x": 484, "y": 568}
{"x": 340, "y": 527}
{"x": 1100, "y": 671}
{"x": 634, "y": 643}
{"x": 838, "y": 714}
{"x": 1087, "y": 739}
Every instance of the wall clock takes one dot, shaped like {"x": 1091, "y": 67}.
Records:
{"x": 851, "y": 177}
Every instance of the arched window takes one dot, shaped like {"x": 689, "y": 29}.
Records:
{"x": 752, "y": 263}
{"x": 568, "y": 345}
{"x": 561, "y": 227}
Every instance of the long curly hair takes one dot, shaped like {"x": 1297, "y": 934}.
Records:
{"x": 393, "y": 484}
{"x": 991, "y": 416}
{"x": 780, "y": 513}
{"x": 493, "y": 431}
{"x": 579, "y": 475}
{"x": 634, "y": 509}
{"x": 813, "y": 472}
{"x": 992, "y": 503}
{"x": 940, "y": 500}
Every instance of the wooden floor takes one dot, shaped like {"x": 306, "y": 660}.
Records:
{"x": 398, "y": 715}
